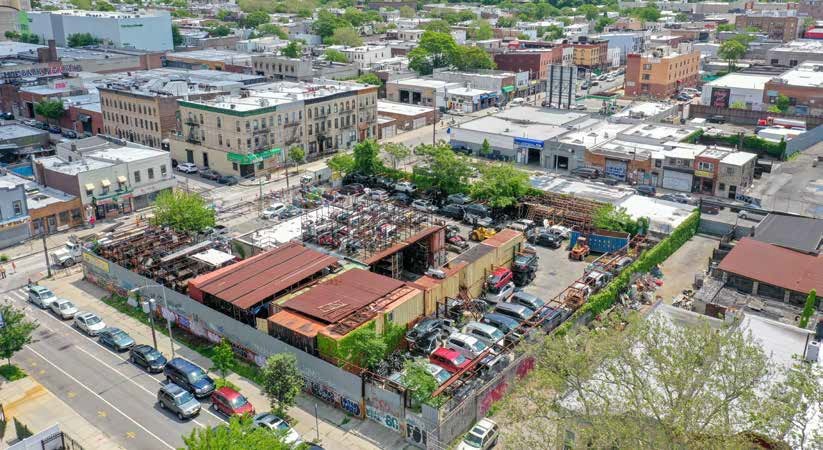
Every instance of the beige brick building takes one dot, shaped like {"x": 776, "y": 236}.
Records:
{"x": 142, "y": 117}
{"x": 251, "y": 133}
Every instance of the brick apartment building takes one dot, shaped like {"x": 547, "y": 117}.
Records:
{"x": 591, "y": 53}
{"x": 783, "y": 28}
{"x": 535, "y": 61}
{"x": 810, "y": 8}
{"x": 660, "y": 74}
{"x": 803, "y": 85}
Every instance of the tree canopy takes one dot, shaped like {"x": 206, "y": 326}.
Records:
{"x": 347, "y": 36}
{"x": 370, "y": 78}
{"x": 270, "y": 29}
{"x": 15, "y": 332}
{"x": 419, "y": 381}
{"x": 397, "y": 152}
{"x": 50, "y": 109}
{"x": 335, "y": 55}
{"x": 367, "y": 157}
{"x": 480, "y": 29}
{"x": 472, "y": 58}
{"x": 651, "y": 383}
{"x": 82, "y": 40}
{"x": 501, "y": 184}
{"x": 281, "y": 381}
{"x": 182, "y": 211}
{"x": 442, "y": 169}
{"x": 292, "y": 50}
{"x": 437, "y": 50}
{"x": 255, "y": 19}
{"x": 240, "y": 433}
{"x": 731, "y": 50}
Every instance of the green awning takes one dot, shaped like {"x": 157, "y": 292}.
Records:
{"x": 508, "y": 88}
{"x": 252, "y": 158}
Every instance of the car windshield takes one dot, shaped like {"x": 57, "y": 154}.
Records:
{"x": 184, "y": 398}
{"x": 152, "y": 355}
{"x": 521, "y": 260}
{"x": 497, "y": 334}
{"x": 282, "y": 426}
{"x": 536, "y": 303}
{"x": 119, "y": 335}
{"x": 238, "y": 401}
{"x": 66, "y": 305}
{"x": 441, "y": 376}
{"x": 196, "y": 376}
{"x": 459, "y": 360}
{"x": 494, "y": 289}
{"x": 479, "y": 346}
{"x": 93, "y": 320}
{"x": 473, "y": 440}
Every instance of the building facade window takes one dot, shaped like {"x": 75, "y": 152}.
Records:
{"x": 17, "y": 205}
{"x": 151, "y": 173}
{"x": 163, "y": 170}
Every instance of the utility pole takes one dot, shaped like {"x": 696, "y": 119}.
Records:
{"x": 260, "y": 198}
{"x": 45, "y": 247}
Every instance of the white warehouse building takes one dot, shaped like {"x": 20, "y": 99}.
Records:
{"x": 141, "y": 30}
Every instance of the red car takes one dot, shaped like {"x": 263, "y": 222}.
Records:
{"x": 230, "y": 402}
{"x": 448, "y": 359}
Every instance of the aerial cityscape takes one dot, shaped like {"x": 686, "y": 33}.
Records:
{"x": 396, "y": 224}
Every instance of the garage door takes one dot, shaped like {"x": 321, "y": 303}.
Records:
{"x": 616, "y": 169}
{"x": 677, "y": 181}
{"x": 419, "y": 122}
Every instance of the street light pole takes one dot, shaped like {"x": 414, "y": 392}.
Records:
{"x": 45, "y": 247}
{"x": 151, "y": 318}
{"x": 152, "y": 303}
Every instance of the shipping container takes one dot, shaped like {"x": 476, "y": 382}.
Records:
{"x": 602, "y": 241}
{"x": 507, "y": 242}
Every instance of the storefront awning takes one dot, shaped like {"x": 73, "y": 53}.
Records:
{"x": 508, "y": 89}
{"x": 121, "y": 179}
{"x": 105, "y": 182}
{"x": 89, "y": 187}
{"x": 252, "y": 158}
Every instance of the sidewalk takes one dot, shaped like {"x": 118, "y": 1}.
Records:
{"x": 337, "y": 431}
{"x": 38, "y": 409}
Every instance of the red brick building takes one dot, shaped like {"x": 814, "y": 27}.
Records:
{"x": 536, "y": 62}
{"x": 661, "y": 74}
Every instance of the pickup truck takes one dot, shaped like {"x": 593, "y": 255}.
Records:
{"x": 69, "y": 254}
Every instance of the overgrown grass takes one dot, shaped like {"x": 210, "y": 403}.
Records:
{"x": 220, "y": 382}
{"x": 202, "y": 346}
{"x": 12, "y": 372}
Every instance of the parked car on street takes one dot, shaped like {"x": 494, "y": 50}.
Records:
{"x": 55, "y": 129}
{"x": 147, "y": 357}
{"x": 187, "y": 167}
{"x": 178, "y": 401}
{"x": 41, "y": 296}
{"x": 116, "y": 339}
{"x": 646, "y": 190}
{"x": 63, "y": 308}
{"x": 70, "y": 134}
{"x": 228, "y": 180}
{"x": 189, "y": 376}
{"x": 271, "y": 422}
{"x": 230, "y": 402}
{"x": 586, "y": 172}
{"x": 482, "y": 436}
{"x": 210, "y": 174}
{"x": 716, "y": 119}
{"x": 89, "y": 323}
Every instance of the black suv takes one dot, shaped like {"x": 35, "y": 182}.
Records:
{"x": 477, "y": 210}
{"x": 189, "y": 376}
{"x": 148, "y": 358}
{"x": 452, "y": 211}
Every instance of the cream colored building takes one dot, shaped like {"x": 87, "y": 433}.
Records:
{"x": 251, "y": 133}
{"x": 142, "y": 117}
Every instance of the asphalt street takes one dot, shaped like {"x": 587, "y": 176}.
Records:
{"x": 102, "y": 386}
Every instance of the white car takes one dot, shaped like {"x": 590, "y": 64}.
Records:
{"x": 405, "y": 186}
{"x": 378, "y": 194}
{"x": 440, "y": 374}
{"x": 497, "y": 295}
{"x": 468, "y": 346}
{"x": 485, "y": 332}
{"x": 274, "y": 423}
{"x": 41, "y": 296}
{"x": 273, "y": 210}
{"x": 522, "y": 225}
{"x": 423, "y": 205}
{"x": 482, "y": 436}
{"x": 89, "y": 323}
{"x": 187, "y": 168}
{"x": 560, "y": 230}
{"x": 63, "y": 308}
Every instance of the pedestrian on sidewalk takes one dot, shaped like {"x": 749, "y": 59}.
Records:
{"x": 13, "y": 267}
{"x": 2, "y": 272}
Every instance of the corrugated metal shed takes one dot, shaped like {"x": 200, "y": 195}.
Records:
{"x": 262, "y": 276}
{"x": 296, "y": 323}
{"x": 479, "y": 263}
{"x": 506, "y": 243}
{"x": 774, "y": 265}
{"x": 337, "y": 298}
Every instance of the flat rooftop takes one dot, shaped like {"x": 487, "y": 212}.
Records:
{"x": 741, "y": 81}
{"x": 214, "y": 55}
{"x": 658, "y": 132}
{"x": 124, "y": 154}
{"x": 57, "y": 164}
{"x": 401, "y": 108}
{"x": 807, "y": 74}
{"x": 590, "y": 137}
{"x": 15, "y": 131}
{"x": 497, "y": 125}
{"x": 102, "y": 14}
{"x": 803, "y": 234}
{"x": 801, "y": 45}
{"x": 279, "y": 93}
{"x": 533, "y": 114}
{"x": 38, "y": 196}
{"x": 664, "y": 216}
{"x": 423, "y": 82}
{"x": 590, "y": 190}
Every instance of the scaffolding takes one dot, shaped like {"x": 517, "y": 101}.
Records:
{"x": 366, "y": 230}
{"x": 559, "y": 209}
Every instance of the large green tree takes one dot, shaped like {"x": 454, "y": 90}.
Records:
{"x": 327, "y": 22}
{"x": 650, "y": 383}
{"x": 176, "y": 37}
{"x": 82, "y": 40}
{"x": 347, "y": 36}
{"x": 438, "y": 26}
{"x": 500, "y": 184}
{"x": 50, "y": 109}
{"x": 419, "y": 381}
{"x": 480, "y": 29}
{"x": 239, "y": 433}
{"x": 731, "y": 50}
{"x": 292, "y": 50}
{"x": 341, "y": 164}
{"x": 472, "y": 58}
{"x": 183, "y": 211}
{"x": 255, "y": 19}
{"x": 223, "y": 358}
{"x": 363, "y": 347}
{"x": 434, "y": 51}
{"x": 442, "y": 169}
{"x": 15, "y": 332}
{"x": 334, "y": 55}
{"x": 370, "y": 78}
{"x": 367, "y": 157}
{"x": 270, "y": 29}
{"x": 281, "y": 381}
{"x": 808, "y": 308}
{"x": 396, "y": 152}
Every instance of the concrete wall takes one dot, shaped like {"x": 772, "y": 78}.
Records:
{"x": 805, "y": 140}
{"x": 332, "y": 384}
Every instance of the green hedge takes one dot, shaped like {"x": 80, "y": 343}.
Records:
{"x": 604, "y": 299}
{"x": 760, "y": 145}
{"x": 693, "y": 137}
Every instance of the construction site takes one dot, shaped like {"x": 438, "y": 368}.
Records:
{"x": 562, "y": 209}
{"x": 166, "y": 256}
{"x": 393, "y": 240}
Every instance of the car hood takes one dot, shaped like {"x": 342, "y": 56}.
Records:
{"x": 247, "y": 408}
{"x": 190, "y": 405}
{"x": 124, "y": 341}
{"x": 203, "y": 383}
{"x": 98, "y": 326}
{"x": 159, "y": 362}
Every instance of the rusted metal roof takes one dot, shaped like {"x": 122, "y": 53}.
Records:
{"x": 774, "y": 265}
{"x": 339, "y": 297}
{"x": 502, "y": 237}
{"x": 260, "y": 277}
{"x": 297, "y": 323}
{"x": 402, "y": 244}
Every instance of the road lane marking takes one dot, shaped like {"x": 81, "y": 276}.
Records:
{"x": 68, "y": 375}
{"x": 71, "y": 394}
{"x": 120, "y": 373}
{"x": 131, "y": 434}
{"x": 102, "y": 414}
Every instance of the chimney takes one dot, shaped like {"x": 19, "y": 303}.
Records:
{"x": 52, "y": 51}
